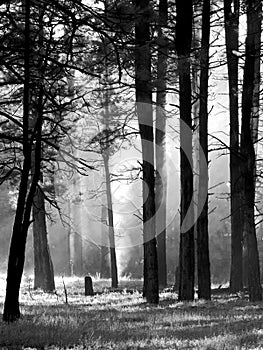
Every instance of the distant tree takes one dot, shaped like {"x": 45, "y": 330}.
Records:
{"x": 184, "y": 21}
{"x": 105, "y": 156}
{"x": 104, "y": 250}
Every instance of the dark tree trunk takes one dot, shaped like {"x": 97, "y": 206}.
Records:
{"x": 145, "y": 117}
{"x": 17, "y": 249}
{"x": 231, "y": 10}
{"x": 43, "y": 267}
{"x": 255, "y": 118}
{"x": 248, "y": 161}
{"x": 161, "y": 172}
{"x": 27, "y": 187}
{"x": 113, "y": 261}
{"x": 203, "y": 261}
{"x": 187, "y": 253}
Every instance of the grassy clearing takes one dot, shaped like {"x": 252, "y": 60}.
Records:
{"x": 122, "y": 320}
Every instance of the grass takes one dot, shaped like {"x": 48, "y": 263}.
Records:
{"x": 122, "y": 320}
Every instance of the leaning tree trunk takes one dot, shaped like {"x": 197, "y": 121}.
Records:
{"x": 160, "y": 150}
{"x": 27, "y": 187}
{"x": 231, "y": 10}
{"x": 143, "y": 92}
{"x": 248, "y": 163}
{"x": 187, "y": 253}
{"x": 43, "y": 267}
{"x": 113, "y": 260}
{"x": 203, "y": 260}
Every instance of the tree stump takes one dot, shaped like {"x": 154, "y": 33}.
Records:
{"x": 88, "y": 286}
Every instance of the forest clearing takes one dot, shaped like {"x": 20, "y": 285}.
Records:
{"x": 122, "y": 320}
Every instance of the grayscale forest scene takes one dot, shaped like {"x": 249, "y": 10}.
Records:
{"x": 131, "y": 167}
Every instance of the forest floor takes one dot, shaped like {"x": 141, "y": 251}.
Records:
{"x": 122, "y": 320}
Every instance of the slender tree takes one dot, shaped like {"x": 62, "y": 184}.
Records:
{"x": 143, "y": 91}
{"x": 184, "y": 12}
{"x": 203, "y": 261}
{"x": 161, "y": 173}
{"x": 248, "y": 161}
{"x": 231, "y": 20}
{"x": 104, "y": 250}
{"x": 113, "y": 261}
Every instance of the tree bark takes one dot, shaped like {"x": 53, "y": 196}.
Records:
{"x": 143, "y": 90}
{"x": 160, "y": 150}
{"x": 43, "y": 267}
{"x": 231, "y": 11}
{"x": 203, "y": 260}
{"x": 248, "y": 163}
{"x": 183, "y": 45}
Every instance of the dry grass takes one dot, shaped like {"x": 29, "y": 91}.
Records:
{"x": 122, "y": 320}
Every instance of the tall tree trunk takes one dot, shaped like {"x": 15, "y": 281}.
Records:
{"x": 203, "y": 260}
{"x": 186, "y": 255}
{"x": 106, "y": 157}
{"x": 27, "y": 187}
{"x": 44, "y": 274}
{"x": 195, "y": 79}
{"x": 113, "y": 261}
{"x": 231, "y": 10}
{"x": 160, "y": 150}
{"x": 43, "y": 267}
{"x": 255, "y": 115}
{"x": 143, "y": 90}
{"x": 248, "y": 163}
